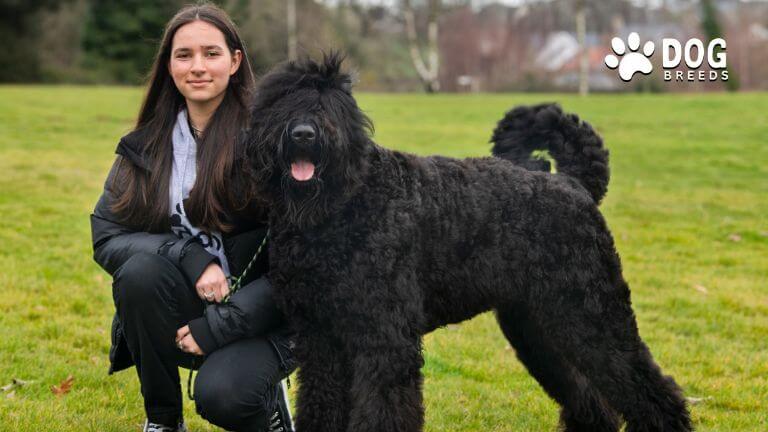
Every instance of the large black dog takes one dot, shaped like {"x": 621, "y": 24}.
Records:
{"x": 373, "y": 248}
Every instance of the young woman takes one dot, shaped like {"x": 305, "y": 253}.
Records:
{"x": 174, "y": 222}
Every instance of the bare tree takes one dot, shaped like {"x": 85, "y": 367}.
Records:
{"x": 427, "y": 72}
{"x": 292, "y": 38}
{"x": 581, "y": 36}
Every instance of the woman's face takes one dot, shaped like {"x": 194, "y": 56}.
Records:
{"x": 201, "y": 62}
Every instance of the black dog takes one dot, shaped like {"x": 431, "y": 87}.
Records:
{"x": 373, "y": 248}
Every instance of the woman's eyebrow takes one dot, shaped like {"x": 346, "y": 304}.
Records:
{"x": 205, "y": 47}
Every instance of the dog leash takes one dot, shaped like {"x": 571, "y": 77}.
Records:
{"x": 236, "y": 284}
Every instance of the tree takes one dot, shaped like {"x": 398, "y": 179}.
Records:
{"x": 291, "y": 25}
{"x": 711, "y": 28}
{"x": 19, "y": 32}
{"x": 581, "y": 35}
{"x": 427, "y": 72}
{"x": 121, "y": 36}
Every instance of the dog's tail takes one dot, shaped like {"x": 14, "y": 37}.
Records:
{"x": 576, "y": 148}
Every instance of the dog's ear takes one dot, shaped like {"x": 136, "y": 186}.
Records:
{"x": 349, "y": 80}
{"x": 346, "y": 85}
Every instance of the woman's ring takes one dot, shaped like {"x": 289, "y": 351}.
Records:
{"x": 180, "y": 345}
{"x": 208, "y": 295}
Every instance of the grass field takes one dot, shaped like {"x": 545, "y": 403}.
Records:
{"x": 686, "y": 203}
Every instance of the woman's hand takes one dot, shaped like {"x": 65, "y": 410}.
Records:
{"x": 186, "y": 343}
{"x": 212, "y": 285}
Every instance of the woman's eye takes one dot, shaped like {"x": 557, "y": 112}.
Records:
{"x": 181, "y": 56}
{"x": 212, "y": 53}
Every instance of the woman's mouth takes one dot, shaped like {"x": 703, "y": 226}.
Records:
{"x": 302, "y": 170}
{"x": 198, "y": 84}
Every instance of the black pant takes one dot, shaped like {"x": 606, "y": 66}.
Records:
{"x": 235, "y": 386}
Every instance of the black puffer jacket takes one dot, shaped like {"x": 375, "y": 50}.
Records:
{"x": 251, "y": 311}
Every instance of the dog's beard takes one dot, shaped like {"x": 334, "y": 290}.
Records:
{"x": 302, "y": 201}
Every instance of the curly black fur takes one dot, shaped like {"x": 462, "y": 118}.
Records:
{"x": 381, "y": 247}
{"x": 578, "y": 151}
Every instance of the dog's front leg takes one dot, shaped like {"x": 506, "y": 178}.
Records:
{"x": 386, "y": 389}
{"x": 324, "y": 380}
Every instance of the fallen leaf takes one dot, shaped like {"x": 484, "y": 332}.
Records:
{"x": 764, "y": 233}
{"x": 734, "y": 237}
{"x": 11, "y": 395}
{"x": 700, "y": 288}
{"x": 64, "y": 387}
{"x": 453, "y": 326}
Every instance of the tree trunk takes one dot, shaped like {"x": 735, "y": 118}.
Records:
{"x": 428, "y": 73}
{"x": 711, "y": 26}
{"x": 292, "y": 38}
{"x": 581, "y": 35}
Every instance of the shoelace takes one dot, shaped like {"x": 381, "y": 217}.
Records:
{"x": 275, "y": 421}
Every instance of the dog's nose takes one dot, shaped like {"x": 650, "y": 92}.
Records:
{"x": 303, "y": 133}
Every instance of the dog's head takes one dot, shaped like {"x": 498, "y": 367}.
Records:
{"x": 308, "y": 139}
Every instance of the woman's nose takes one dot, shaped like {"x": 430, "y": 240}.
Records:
{"x": 198, "y": 64}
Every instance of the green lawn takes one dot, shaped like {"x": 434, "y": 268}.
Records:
{"x": 686, "y": 203}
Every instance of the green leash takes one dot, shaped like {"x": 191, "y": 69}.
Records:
{"x": 236, "y": 284}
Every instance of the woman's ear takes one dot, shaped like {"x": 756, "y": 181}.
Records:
{"x": 237, "y": 57}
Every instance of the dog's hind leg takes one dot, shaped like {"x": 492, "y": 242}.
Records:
{"x": 607, "y": 349}
{"x": 658, "y": 403}
{"x": 582, "y": 407}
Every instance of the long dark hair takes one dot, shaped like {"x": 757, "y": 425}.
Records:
{"x": 142, "y": 197}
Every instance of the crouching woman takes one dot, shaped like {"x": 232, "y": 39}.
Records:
{"x": 175, "y": 223}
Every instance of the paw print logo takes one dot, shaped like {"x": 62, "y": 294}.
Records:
{"x": 633, "y": 61}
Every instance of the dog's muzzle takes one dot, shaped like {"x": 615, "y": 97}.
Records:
{"x": 302, "y": 136}
{"x": 303, "y": 133}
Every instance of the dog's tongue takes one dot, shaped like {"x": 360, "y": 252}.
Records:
{"x": 302, "y": 170}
